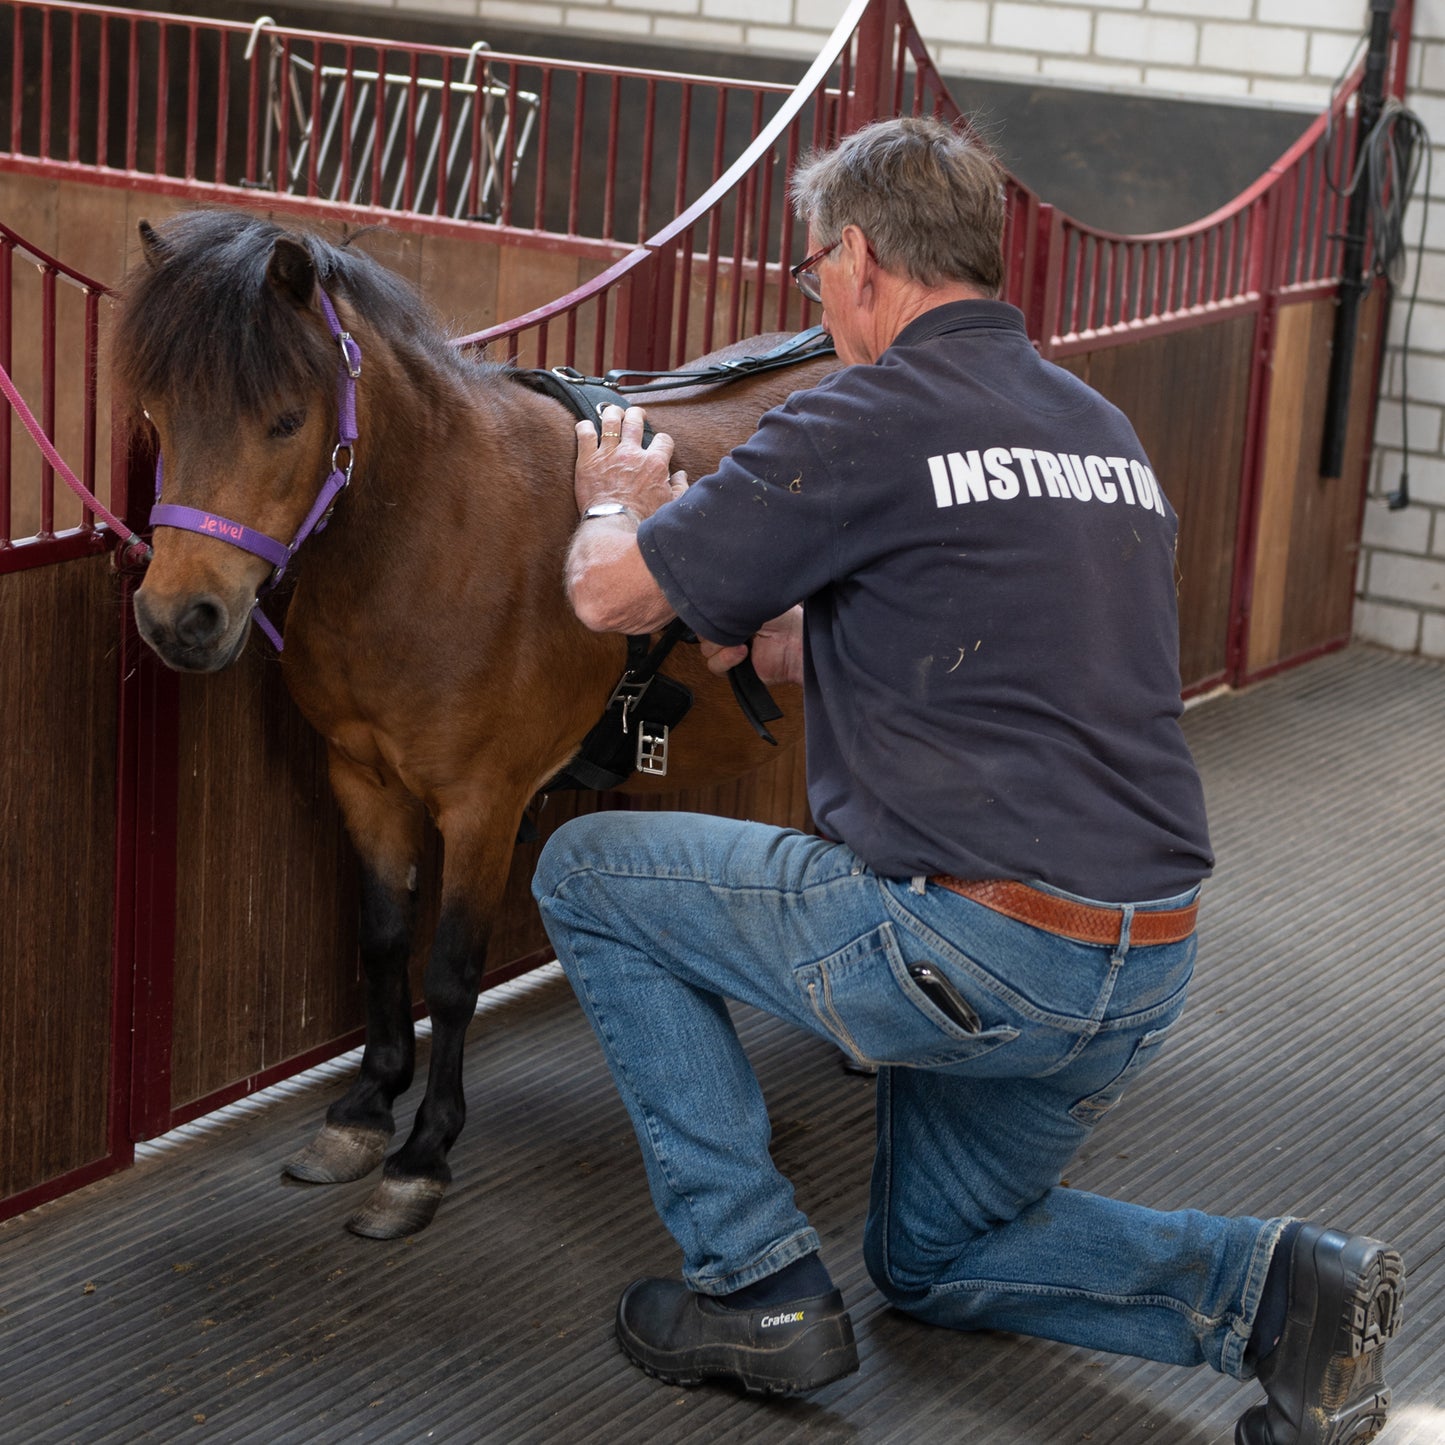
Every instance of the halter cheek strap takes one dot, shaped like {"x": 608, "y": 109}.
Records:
{"x": 260, "y": 544}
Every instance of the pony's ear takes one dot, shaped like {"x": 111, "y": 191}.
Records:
{"x": 292, "y": 271}
{"x": 153, "y": 248}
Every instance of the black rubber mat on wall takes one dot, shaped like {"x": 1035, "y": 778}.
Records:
{"x": 195, "y": 1297}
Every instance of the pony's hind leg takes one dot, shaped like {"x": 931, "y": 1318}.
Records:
{"x": 416, "y": 1176}
{"x": 385, "y": 824}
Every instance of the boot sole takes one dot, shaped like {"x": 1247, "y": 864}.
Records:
{"x": 1353, "y": 1398}
{"x": 759, "y": 1372}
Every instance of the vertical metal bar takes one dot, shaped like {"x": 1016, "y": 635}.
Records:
{"x": 649, "y": 130}
{"x": 602, "y": 304}
{"x": 684, "y": 139}
{"x": 47, "y": 62}
{"x": 742, "y": 204}
{"x": 719, "y": 131}
{"x": 283, "y": 116}
{"x": 442, "y": 136}
{"x": 412, "y": 100}
{"x": 609, "y": 179}
{"x": 313, "y": 131}
{"x": 72, "y": 119}
{"x": 102, "y": 104}
{"x": 539, "y": 207}
{"x": 342, "y": 188}
{"x": 253, "y": 111}
{"x": 17, "y": 80}
{"x": 1049, "y": 283}
{"x": 223, "y": 107}
{"x": 684, "y": 295}
{"x": 163, "y": 95}
{"x": 574, "y": 187}
{"x": 378, "y": 126}
{"x": 193, "y": 100}
{"x": 761, "y": 240}
{"x": 509, "y": 150}
{"x": 47, "y": 396}
{"x": 7, "y": 315}
{"x": 785, "y": 237}
{"x": 92, "y": 359}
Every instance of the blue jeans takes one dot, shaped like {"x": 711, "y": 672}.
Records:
{"x": 659, "y": 918}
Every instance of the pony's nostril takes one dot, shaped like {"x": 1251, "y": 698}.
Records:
{"x": 201, "y": 623}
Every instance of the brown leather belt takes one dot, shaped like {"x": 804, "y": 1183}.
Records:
{"x": 1083, "y": 922}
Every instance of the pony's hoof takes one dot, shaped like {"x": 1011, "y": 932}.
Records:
{"x": 398, "y": 1207}
{"x": 337, "y": 1155}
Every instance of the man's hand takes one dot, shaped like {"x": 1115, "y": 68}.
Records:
{"x": 616, "y": 467}
{"x": 777, "y": 650}
{"x": 608, "y": 583}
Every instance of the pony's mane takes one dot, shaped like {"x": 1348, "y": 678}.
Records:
{"x": 207, "y": 321}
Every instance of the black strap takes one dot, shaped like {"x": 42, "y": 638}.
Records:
{"x": 583, "y": 398}
{"x": 805, "y": 346}
{"x": 754, "y": 699}
{"x": 607, "y": 756}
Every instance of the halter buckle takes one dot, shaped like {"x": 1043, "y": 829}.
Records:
{"x": 336, "y": 464}
{"x": 350, "y": 354}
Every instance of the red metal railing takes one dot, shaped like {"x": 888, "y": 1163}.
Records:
{"x": 1080, "y": 287}
{"x": 445, "y": 136}
{"x": 48, "y": 311}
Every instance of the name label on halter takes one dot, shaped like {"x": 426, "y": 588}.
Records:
{"x": 220, "y": 527}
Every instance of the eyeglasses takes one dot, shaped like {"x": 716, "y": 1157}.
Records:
{"x": 806, "y": 277}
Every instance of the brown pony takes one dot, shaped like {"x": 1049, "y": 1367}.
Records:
{"x": 428, "y": 639}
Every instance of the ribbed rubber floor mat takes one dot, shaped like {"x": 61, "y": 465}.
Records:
{"x": 196, "y": 1297}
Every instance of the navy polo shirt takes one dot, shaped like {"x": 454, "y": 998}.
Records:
{"x": 986, "y": 563}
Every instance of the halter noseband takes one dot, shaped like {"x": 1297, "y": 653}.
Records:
{"x": 279, "y": 554}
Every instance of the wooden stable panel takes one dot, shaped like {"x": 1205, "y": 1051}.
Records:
{"x": 58, "y": 704}
{"x": 1302, "y": 593}
{"x": 266, "y": 901}
{"x": 1187, "y": 394}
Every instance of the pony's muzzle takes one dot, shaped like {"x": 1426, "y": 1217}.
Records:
{"x": 195, "y": 633}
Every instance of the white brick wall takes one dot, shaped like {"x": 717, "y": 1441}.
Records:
{"x": 1281, "y": 52}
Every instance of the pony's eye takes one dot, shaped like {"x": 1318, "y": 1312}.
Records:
{"x": 288, "y": 424}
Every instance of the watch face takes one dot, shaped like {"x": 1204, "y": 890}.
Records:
{"x": 604, "y": 509}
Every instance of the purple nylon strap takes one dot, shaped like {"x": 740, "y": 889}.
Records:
{"x": 260, "y": 544}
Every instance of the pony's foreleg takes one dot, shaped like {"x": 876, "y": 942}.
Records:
{"x": 416, "y": 1176}
{"x": 385, "y": 824}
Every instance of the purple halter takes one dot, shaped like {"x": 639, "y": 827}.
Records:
{"x": 278, "y": 554}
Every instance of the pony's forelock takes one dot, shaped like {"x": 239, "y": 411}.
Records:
{"x": 201, "y": 318}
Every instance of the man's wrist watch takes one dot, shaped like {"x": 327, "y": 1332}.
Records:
{"x": 607, "y": 509}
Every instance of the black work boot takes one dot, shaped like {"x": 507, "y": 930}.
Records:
{"x": 1325, "y": 1379}
{"x": 686, "y": 1338}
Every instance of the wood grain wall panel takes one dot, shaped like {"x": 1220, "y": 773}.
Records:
{"x": 58, "y": 710}
{"x": 1324, "y": 541}
{"x": 1187, "y": 393}
{"x": 1307, "y": 527}
{"x": 266, "y": 964}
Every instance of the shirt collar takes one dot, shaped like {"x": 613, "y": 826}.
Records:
{"x": 956, "y": 316}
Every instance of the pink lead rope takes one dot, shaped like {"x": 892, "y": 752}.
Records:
{"x": 279, "y": 554}
{"x": 47, "y": 450}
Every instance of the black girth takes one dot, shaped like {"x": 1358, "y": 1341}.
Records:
{"x": 632, "y": 734}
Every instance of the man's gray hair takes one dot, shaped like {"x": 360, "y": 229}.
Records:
{"x": 931, "y": 200}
